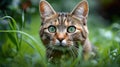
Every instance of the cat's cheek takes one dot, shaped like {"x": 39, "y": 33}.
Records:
{"x": 68, "y": 43}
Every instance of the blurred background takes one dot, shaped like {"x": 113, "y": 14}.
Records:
{"x": 17, "y": 49}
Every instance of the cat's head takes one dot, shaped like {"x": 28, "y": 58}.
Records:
{"x": 63, "y": 29}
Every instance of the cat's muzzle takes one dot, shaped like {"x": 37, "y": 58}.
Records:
{"x": 61, "y": 43}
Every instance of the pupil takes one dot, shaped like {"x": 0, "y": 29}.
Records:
{"x": 71, "y": 29}
{"x": 52, "y": 29}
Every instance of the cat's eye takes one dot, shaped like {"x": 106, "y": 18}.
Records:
{"x": 71, "y": 29}
{"x": 52, "y": 29}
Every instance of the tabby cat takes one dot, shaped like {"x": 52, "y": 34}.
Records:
{"x": 62, "y": 33}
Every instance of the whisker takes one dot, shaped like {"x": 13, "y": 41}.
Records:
{"x": 49, "y": 51}
{"x": 75, "y": 50}
{"x": 73, "y": 54}
{"x": 48, "y": 47}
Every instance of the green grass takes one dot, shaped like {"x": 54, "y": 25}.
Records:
{"x": 23, "y": 48}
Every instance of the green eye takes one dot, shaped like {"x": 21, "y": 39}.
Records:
{"x": 71, "y": 29}
{"x": 52, "y": 29}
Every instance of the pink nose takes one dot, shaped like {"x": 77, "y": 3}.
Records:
{"x": 61, "y": 36}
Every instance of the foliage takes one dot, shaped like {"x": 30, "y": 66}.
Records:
{"x": 22, "y": 49}
{"x": 12, "y": 49}
{"x": 20, "y": 45}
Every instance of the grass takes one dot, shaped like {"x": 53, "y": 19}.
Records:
{"x": 23, "y": 47}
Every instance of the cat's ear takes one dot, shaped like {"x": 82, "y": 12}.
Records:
{"x": 45, "y": 9}
{"x": 81, "y": 10}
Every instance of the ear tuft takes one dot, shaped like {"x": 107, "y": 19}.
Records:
{"x": 45, "y": 9}
{"x": 81, "y": 10}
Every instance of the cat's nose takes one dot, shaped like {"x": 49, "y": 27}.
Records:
{"x": 61, "y": 37}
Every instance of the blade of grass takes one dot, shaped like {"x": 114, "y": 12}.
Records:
{"x": 36, "y": 46}
{"x": 13, "y": 26}
{"x": 21, "y": 29}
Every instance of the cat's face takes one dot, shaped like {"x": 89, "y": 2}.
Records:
{"x": 63, "y": 29}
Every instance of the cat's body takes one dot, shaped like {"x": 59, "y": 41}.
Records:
{"x": 62, "y": 33}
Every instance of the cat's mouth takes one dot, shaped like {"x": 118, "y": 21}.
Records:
{"x": 60, "y": 45}
{"x": 72, "y": 50}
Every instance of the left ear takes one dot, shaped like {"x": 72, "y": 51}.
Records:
{"x": 81, "y": 10}
{"x": 46, "y": 9}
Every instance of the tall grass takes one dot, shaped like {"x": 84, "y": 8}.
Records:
{"x": 14, "y": 39}
{"x": 24, "y": 50}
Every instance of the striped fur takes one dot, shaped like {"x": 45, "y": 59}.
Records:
{"x": 61, "y": 40}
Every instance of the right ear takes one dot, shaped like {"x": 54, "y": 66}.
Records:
{"x": 45, "y": 9}
{"x": 81, "y": 10}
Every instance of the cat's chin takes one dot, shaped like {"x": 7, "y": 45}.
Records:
{"x": 61, "y": 48}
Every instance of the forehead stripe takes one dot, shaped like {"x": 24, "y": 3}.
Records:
{"x": 62, "y": 17}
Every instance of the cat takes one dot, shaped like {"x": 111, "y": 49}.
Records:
{"x": 62, "y": 33}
